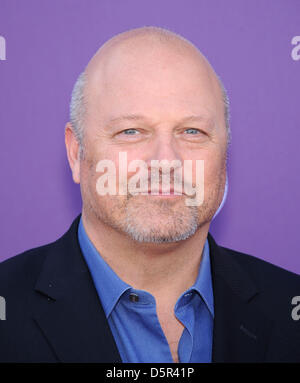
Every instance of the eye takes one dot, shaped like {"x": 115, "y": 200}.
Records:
{"x": 130, "y": 132}
{"x": 192, "y": 131}
{"x": 130, "y": 135}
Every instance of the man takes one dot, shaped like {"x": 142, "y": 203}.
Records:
{"x": 138, "y": 277}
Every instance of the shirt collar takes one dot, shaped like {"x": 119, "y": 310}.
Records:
{"x": 110, "y": 287}
{"x": 203, "y": 284}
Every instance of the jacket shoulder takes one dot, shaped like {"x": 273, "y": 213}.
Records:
{"x": 278, "y": 288}
{"x": 22, "y": 269}
{"x": 264, "y": 273}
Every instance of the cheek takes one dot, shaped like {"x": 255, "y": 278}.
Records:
{"x": 88, "y": 178}
{"x": 213, "y": 169}
{"x": 130, "y": 163}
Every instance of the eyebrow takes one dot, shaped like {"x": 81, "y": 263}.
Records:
{"x": 139, "y": 117}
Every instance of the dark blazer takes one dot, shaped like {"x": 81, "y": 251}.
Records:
{"x": 53, "y": 312}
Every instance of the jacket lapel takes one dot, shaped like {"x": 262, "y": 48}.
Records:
{"x": 67, "y": 309}
{"x": 240, "y": 327}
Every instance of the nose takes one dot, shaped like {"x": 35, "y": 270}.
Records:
{"x": 164, "y": 164}
{"x": 164, "y": 148}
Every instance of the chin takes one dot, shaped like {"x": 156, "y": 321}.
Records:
{"x": 160, "y": 225}
{"x": 154, "y": 221}
{"x": 158, "y": 236}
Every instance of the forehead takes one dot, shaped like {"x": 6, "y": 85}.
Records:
{"x": 152, "y": 78}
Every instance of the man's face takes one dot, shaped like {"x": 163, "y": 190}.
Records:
{"x": 140, "y": 102}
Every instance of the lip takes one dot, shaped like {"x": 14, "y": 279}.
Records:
{"x": 161, "y": 194}
{"x": 165, "y": 195}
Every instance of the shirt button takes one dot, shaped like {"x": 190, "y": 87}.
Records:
{"x": 133, "y": 297}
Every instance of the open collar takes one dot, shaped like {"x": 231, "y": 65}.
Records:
{"x": 67, "y": 308}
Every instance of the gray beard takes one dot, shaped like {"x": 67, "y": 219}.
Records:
{"x": 179, "y": 222}
{"x": 138, "y": 218}
{"x": 180, "y": 227}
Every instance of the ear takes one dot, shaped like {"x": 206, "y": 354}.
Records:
{"x": 73, "y": 152}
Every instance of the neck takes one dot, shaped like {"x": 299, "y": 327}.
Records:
{"x": 162, "y": 269}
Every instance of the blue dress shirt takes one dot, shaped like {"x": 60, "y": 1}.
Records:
{"x": 132, "y": 317}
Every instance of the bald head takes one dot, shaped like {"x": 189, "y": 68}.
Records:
{"x": 158, "y": 55}
{"x": 152, "y": 96}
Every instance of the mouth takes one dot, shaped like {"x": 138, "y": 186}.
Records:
{"x": 172, "y": 193}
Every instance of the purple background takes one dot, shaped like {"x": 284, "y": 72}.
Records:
{"x": 249, "y": 44}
